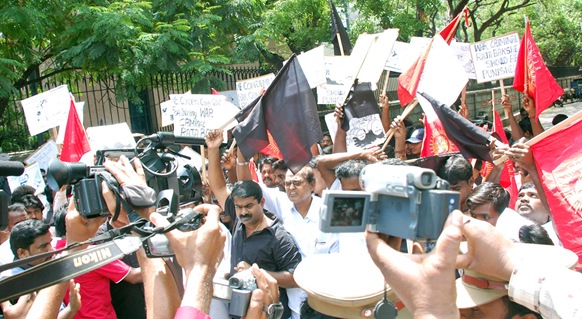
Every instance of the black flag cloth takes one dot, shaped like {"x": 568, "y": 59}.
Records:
{"x": 337, "y": 28}
{"x": 471, "y": 140}
{"x": 360, "y": 102}
{"x": 289, "y": 111}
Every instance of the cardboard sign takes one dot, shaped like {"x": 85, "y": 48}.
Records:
{"x": 370, "y": 54}
{"x": 313, "y": 66}
{"x": 31, "y": 177}
{"x": 43, "y": 155}
{"x": 46, "y": 110}
{"x": 464, "y": 55}
{"x": 106, "y": 137}
{"x": 495, "y": 59}
{"x": 248, "y": 90}
{"x": 231, "y": 97}
{"x": 337, "y": 83}
{"x": 401, "y": 57}
{"x": 363, "y": 131}
{"x": 196, "y": 114}
{"x": 167, "y": 111}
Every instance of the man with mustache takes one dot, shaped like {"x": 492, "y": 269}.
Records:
{"x": 267, "y": 172}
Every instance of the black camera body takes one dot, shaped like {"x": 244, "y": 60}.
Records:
{"x": 403, "y": 201}
{"x": 87, "y": 185}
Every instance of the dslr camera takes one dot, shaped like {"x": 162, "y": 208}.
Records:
{"x": 403, "y": 201}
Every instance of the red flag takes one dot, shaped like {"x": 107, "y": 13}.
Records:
{"x": 532, "y": 75}
{"x": 408, "y": 81}
{"x": 213, "y": 91}
{"x": 272, "y": 149}
{"x": 76, "y": 143}
{"x": 507, "y": 178}
{"x": 558, "y": 164}
{"x": 448, "y": 32}
{"x": 435, "y": 141}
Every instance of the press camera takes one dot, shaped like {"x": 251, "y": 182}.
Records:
{"x": 403, "y": 201}
{"x": 242, "y": 283}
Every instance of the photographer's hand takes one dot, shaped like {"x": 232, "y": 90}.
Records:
{"x": 432, "y": 275}
{"x": 199, "y": 253}
{"x": 266, "y": 294}
{"x": 125, "y": 174}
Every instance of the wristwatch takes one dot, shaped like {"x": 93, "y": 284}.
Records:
{"x": 274, "y": 311}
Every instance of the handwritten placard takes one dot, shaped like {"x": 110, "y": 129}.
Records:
{"x": 248, "y": 90}
{"x": 495, "y": 59}
{"x": 196, "y": 114}
{"x": 337, "y": 83}
{"x": 464, "y": 56}
{"x": 31, "y": 177}
{"x": 312, "y": 65}
{"x": 46, "y": 110}
{"x": 43, "y": 155}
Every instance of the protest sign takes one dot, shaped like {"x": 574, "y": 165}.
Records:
{"x": 46, "y": 110}
{"x": 107, "y": 137}
{"x": 337, "y": 83}
{"x": 313, "y": 66}
{"x": 196, "y": 114}
{"x": 167, "y": 111}
{"x": 464, "y": 55}
{"x": 401, "y": 57}
{"x": 80, "y": 106}
{"x": 31, "y": 177}
{"x": 231, "y": 96}
{"x": 43, "y": 155}
{"x": 363, "y": 131}
{"x": 370, "y": 54}
{"x": 495, "y": 59}
{"x": 248, "y": 90}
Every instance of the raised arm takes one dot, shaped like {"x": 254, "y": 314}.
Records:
{"x": 215, "y": 176}
{"x": 516, "y": 132}
{"x": 530, "y": 106}
{"x": 339, "y": 143}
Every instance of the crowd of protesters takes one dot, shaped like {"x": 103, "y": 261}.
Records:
{"x": 265, "y": 219}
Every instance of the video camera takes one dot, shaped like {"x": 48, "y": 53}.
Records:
{"x": 403, "y": 201}
{"x": 243, "y": 284}
{"x": 163, "y": 171}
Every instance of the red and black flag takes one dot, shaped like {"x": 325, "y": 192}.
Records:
{"x": 288, "y": 111}
{"x": 471, "y": 140}
{"x": 339, "y": 35}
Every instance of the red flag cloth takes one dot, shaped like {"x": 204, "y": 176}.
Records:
{"x": 531, "y": 74}
{"x": 408, "y": 81}
{"x": 289, "y": 112}
{"x": 507, "y": 178}
{"x": 435, "y": 141}
{"x": 76, "y": 143}
{"x": 559, "y": 165}
{"x": 214, "y": 91}
{"x": 272, "y": 149}
{"x": 449, "y": 31}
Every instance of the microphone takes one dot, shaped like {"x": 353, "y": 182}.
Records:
{"x": 11, "y": 168}
{"x": 168, "y": 138}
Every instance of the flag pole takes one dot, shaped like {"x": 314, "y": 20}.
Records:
{"x": 391, "y": 131}
{"x": 341, "y": 45}
{"x": 386, "y": 82}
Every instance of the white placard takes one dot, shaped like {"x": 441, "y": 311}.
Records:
{"x": 167, "y": 111}
{"x": 313, "y": 66}
{"x": 46, "y": 110}
{"x": 464, "y": 55}
{"x": 370, "y": 54}
{"x": 79, "y": 106}
{"x": 248, "y": 90}
{"x": 337, "y": 83}
{"x": 106, "y": 137}
{"x": 495, "y": 59}
{"x": 31, "y": 177}
{"x": 401, "y": 57}
{"x": 196, "y": 114}
{"x": 231, "y": 97}
{"x": 363, "y": 131}
{"x": 43, "y": 155}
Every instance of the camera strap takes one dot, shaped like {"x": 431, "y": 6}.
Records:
{"x": 67, "y": 267}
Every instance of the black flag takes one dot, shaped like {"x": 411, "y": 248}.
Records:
{"x": 337, "y": 28}
{"x": 289, "y": 112}
{"x": 471, "y": 140}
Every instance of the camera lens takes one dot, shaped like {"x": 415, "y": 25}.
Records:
{"x": 235, "y": 282}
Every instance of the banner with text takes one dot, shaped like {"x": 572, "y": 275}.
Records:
{"x": 46, "y": 110}
{"x": 196, "y": 114}
{"x": 249, "y": 90}
{"x": 464, "y": 56}
{"x": 495, "y": 59}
